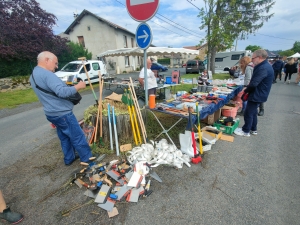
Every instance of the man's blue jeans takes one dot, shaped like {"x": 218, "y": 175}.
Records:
{"x": 250, "y": 117}
{"x": 71, "y": 137}
{"x": 244, "y": 106}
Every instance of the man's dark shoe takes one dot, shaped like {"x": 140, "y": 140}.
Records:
{"x": 274, "y": 82}
{"x": 11, "y": 217}
{"x": 241, "y": 113}
{"x": 261, "y": 112}
{"x": 76, "y": 157}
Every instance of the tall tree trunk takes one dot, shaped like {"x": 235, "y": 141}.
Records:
{"x": 212, "y": 59}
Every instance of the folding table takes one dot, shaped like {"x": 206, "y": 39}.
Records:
{"x": 204, "y": 112}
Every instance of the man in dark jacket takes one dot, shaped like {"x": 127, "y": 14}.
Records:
{"x": 277, "y": 67}
{"x": 258, "y": 90}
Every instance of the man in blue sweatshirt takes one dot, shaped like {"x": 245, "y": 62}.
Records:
{"x": 258, "y": 91}
{"x": 277, "y": 67}
{"x": 58, "y": 110}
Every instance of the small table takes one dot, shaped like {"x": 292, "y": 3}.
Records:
{"x": 163, "y": 87}
{"x": 122, "y": 85}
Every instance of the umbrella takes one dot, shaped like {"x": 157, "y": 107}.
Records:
{"x": 296, "y": 55}
{"x": 151, "y": 51}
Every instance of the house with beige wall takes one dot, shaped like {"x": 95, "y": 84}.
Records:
{"x": 202, "y": 52}
{"x": 98, "y": 35}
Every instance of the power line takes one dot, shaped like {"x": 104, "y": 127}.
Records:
{"x": 170, "y": 24}
{"x": 171, "y": 30}
{"x": 256, "y": 33}
{"x": 176, "y": 23}
{"x": 193, "y": 5}
{"x": 178, "y": 27}
{"x": 276, "y": 37}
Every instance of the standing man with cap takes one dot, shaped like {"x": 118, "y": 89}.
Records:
{"x": 258, "y": 91}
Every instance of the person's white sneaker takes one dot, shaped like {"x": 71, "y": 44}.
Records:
{"x": 288, "y": 81}
{"x": 253, "y": 132}
{"x": 240, "y": 132}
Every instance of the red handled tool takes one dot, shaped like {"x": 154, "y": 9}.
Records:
{"x": 197, "y": 158}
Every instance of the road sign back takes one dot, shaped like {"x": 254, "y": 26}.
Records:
{"x": 142, "y": 10}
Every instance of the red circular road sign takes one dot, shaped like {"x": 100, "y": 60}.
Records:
{"x": 142, "y": 10}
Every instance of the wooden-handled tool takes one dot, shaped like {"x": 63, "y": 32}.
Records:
{"x": 87, "y": 75}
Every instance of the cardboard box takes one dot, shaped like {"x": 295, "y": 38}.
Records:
{"x": 210, "y": 128}
{"x": 225, "y": 137}
{"x": 229, "y": 111}
{"x": 208, "y": 138}
{"x": 210, "y": 119}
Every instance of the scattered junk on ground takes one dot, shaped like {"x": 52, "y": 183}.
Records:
{"x": 128, "y": 178}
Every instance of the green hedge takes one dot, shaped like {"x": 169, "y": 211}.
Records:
{"x": 15, "y": 68}
{"x": 19, "y": 67}
{"x": 164, "y": 61}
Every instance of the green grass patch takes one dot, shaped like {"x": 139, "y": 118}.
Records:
{"x": 12, "y": 99}
{"x": 219, "y": 76}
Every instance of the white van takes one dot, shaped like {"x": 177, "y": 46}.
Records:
{"x": 75, "y": 69}
{"x": 225, "y": 60}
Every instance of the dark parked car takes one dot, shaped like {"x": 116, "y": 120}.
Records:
{"x": 159, "y": 67}
{"x": 194, "y": 66}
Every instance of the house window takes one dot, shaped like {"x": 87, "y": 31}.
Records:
{"x": 132, "y": 43}
{"x": 125, "y": 41}
{"x": 89, "y": 28}
{"x": 127, "y": 61}
{"x": 81, "y": 41}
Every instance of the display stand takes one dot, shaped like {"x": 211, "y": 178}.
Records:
{"x": 165, "y": 131}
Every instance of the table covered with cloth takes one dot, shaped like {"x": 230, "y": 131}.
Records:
{"x": 211, "y": 108}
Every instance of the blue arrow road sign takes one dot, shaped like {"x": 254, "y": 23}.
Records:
{"x": 143, "y": 36}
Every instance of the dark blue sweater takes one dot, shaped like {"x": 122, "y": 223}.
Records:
{"x": 261, "y": 82}
{"x": 278, "y": 65}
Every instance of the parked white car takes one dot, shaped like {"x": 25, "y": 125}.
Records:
{"x": 75, "y": 69}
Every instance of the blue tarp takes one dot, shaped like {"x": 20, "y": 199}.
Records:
{"x": 211, "y": 108}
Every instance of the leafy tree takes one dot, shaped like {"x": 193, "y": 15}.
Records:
{"x": 26, "y": 30}
{"x": 227, "y": 20}
{"x": 286, "y": 53}
{"x": 296, "y": 47}
{"x": 73, "y": 52}
{"x": 253, "y": 47}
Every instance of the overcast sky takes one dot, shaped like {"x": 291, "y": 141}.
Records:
{"x": 176, "y": 23}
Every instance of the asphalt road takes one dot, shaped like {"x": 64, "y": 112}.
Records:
{"x": 28, "y": 129}
{"x": 254, "y": 180}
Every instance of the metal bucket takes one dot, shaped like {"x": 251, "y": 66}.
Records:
{"x": 201, "y": 88}
{"x": 209, "y": 88}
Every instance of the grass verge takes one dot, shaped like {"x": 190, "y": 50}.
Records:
{"x": 12, "y": 99}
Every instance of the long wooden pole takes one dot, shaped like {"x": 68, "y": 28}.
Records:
{"x": 100, "y": 99}
{"x": 131, "y": 116}
{"x": 134, "y": 117}
{"x": 87, "y": 75}
{"x": 138, "y": 111}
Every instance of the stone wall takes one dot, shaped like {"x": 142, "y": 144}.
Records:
{"x": 6, "y": 85}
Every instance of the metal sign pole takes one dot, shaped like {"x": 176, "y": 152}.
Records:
{"x": 145, "y": 77}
